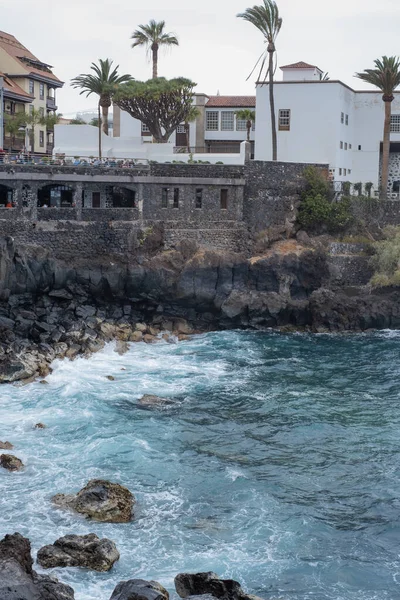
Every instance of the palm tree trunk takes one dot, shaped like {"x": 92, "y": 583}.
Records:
{"x": 99, "y": 118}
{"x": 104, "y": 109}
{"x": 187, "y": 131}
{"x": 155, "y": 60}
{"x": 386, "y": 150}
{"x": 272, "y": 105}
{"x": 248, "y": 130}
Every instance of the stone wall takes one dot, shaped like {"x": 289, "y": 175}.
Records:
{"x": 376, "y": 213}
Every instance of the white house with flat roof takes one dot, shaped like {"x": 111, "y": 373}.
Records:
{"x": 326, "y": 121}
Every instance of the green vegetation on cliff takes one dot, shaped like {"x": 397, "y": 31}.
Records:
{"x": 386, "y": 260}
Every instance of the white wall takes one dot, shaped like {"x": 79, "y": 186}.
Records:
{"x": 82, "y": 141}
{"x": 301, "y": 74}
{"x": 230, "y": 135}
{"x": 316, "y": 130}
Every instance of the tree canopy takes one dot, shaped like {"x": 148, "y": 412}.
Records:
{"x": 161, "y": 104}
{"x": 152, "y": 37}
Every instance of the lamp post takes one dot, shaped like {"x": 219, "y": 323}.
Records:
{"x": 1, "y": 112}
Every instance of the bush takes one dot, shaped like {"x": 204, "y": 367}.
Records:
{"x": 386, "y": 261}
{"x": 317, "y": 212}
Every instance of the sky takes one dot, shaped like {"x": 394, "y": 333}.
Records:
{"x": 217, "y": 50}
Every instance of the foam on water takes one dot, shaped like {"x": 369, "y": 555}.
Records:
{"x": 277, "y": 465}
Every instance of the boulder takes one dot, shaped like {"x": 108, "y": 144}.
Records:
{"x": 101, "y": 501}
{"x": 139, "y": 589}
{"x": 17, "y": 579}
{"x": 40, "y": 426}
{"x": 6, "y": 446}
{"x": 150, "y": 401}
{"x": 198, "y": 584}
{"x": 11, "y": 462}
{"x": 136, "y": 336}
{"x": 87, "y": 551}
{"x": 121, "y": 347}
{"x": 110, "y": 377}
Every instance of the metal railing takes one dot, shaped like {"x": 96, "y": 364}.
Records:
{"x": 213, "y": 149}
{"x": 46, "y": 160}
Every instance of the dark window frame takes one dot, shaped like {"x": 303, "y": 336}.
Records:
{"x": 224, "y": 199}
{"x": 199, "y": 198}
{"x": 164, "y": 197}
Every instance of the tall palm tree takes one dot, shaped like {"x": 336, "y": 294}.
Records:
{"x": 152, "y": 36}
{"x": 386, "y": 77}
{"x": 245, "y": 114}
{"x": 267, "y": 20}
{"x": 103, "y": 81}
{"x": 190, "y": 117}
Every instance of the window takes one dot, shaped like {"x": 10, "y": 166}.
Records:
{"x": 345, "y": 145}
{"x": 227, "y": 120}
{"x": 349, "y": 171}
{"x": 199, "y": 198}
{"x": 176, "y": 198}
{"x": 145, "y": 129}
{"x": 224, "y": 199}
{"x": 41, "y": 112}
{"x": 341, "y": 145}
{"x": 347, "y": 119}
{"x": 284, "y": 120}
{"x": 342, "y": 117}
{"x": 395, "y": 123}
{"x": 344, "y": 172}
{"x": 359, "y": 147}
{"x": 181, "y": 128}
{"x": 349, "y": 146}
{"x": 212, "y": 120}
{"x": 41, "y": 139}
{"x": 31, "y": 86}
{"x": 241, "y": 125}
{"x": 164, "y": 198}
{"x": 31, "y": 109}
{"x": 340, "y": 171}
{"x": 41, "y": 91}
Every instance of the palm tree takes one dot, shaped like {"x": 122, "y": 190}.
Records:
{"x": 103, "y": 81}
{"x": 245, "y": 114}
{"x": 386, "y": 77}
{"x": 15, "y": 126}
{"x": 152, "y": 36}
{"x": 267, "y": 20}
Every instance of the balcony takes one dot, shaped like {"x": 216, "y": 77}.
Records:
{"x": 49, "y": 148}
{"x": 51, "y": 103}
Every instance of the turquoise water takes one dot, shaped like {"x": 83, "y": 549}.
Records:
{"x": 279, "y": 466}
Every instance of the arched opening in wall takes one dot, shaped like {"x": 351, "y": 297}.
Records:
{"x": 6, "y": 196}
{"x": 123, "y": 197}
{"x": 56, "y": 196}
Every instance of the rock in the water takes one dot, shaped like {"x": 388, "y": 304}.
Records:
{"x": 6, "y": 446}
{"x": 139, "y": 589}
{"x": 40, "y": 426}
{"x": 150, "y": 401}
{"x": 100, "y": 500}
{"x": 17, "y": 579}
{"x": 79, "y": 551}
{"x": 11, "y": 462}
{"x": 198, "y": 584}
{"x": 110, "y": 378}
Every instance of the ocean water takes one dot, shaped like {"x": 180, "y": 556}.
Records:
{"x": 279, "y": 465}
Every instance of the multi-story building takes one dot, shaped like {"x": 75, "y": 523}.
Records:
{"x": 326, "y": 121}
{"x": 36, "y": 80}
{"x": 216, "y": 129}
{"x": 16, "y": 100}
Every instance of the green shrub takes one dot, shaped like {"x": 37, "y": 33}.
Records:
{"x": 317, "y": 212}
{"x": 386, "y": 261}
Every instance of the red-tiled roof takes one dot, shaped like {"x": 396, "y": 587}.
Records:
{"x": 300, "y": 65}
{"x": 15, "y": 49}
{"x": 231, "y": 102}
{"x": 11, "y": 86}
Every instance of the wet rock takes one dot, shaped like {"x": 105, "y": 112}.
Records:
{"x": 139, "y": 589}
{"x": 141, "y": 327}
{"x": 136, "y": 336}
{"x": 121, "y": 347}
{"x": 44, "y": 382}
{"x": 150, "y": 401}
{"x": 18, "y": 581}
{"x": 148, "y": 338}
{"x": 11, "y": 462}
{"x": 110, "y": 378}
{"x": 197, "y": 584}
{"x": 182, "y": 326}
{"x": 6, "y": 446}
{"x": 40, "y": 426}
{"x": 100, "y": 500}
{"x": 87, "y": 551}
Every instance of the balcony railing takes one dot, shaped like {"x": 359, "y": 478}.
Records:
{"x": 51, "y": 103}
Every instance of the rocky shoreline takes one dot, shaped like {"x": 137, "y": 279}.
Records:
{"x": 50, "y": 309}
{"x": 18, "y": 580}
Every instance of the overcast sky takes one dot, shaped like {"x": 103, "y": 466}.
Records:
{"x": 217, "y": 50}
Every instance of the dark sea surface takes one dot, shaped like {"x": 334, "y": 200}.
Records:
{"x": 278, "y": 466}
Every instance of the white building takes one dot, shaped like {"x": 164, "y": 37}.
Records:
{"x": 321, "y": 121}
